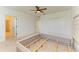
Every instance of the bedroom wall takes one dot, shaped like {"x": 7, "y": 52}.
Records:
{"x": 76, "y": 27}
{"x": 2, "y": 28}
{"x": 26, "y": 25}
{"x": 57, "y": 24}
{"x": 25, "y": 22}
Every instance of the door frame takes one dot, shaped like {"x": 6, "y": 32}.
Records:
{"x": 14, "y": 28}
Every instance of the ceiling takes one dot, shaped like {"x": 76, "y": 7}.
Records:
{"x": 50, "y": 9}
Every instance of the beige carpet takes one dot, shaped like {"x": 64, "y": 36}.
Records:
{"x": 51, "y": 46}
{"x": 8, "y": 46}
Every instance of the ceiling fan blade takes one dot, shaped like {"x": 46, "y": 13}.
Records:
{"x": 44, "y": 9}
{"x": 41, "y": 11}
{"x": 37, "y": 7}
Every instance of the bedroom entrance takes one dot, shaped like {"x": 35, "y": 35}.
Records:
{"x": 9, "y": 45}
{"x": 10, "y": 28}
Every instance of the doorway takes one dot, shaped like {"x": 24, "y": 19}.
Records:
{"x": 10, "y": 25}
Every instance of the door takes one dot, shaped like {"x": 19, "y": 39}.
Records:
{"x": 9, "y": 25}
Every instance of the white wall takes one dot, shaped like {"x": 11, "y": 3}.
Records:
{"x": 25, "y": 22}
{"x": 37, "y": 24}
{"x": 76, "y": 27}
{"x": 57, "y": 24}
{"x": 76, "y": 23}
{"x": 2, "y": 28}
{"x": 26, "y": 25}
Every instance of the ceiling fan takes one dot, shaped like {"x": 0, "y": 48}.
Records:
{"x": 39, "y": 10}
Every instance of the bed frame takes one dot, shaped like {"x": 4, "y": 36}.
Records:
{"x": 34, "y": 42}
{"x": 31, "y": 44}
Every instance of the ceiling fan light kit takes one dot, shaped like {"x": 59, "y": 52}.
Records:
{"x": 38, "y": 12}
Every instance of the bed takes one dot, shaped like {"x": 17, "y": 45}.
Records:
{"x": 31, "y": 43}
